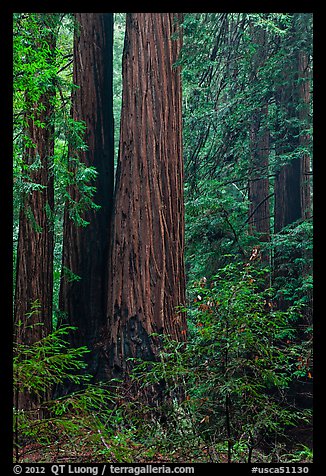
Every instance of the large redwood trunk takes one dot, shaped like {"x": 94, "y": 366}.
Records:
{"x": 85, "y": 248}
{"x": 34, "y": 267}
{"x": 146, "y": 269}
{"x": 34, "y": 276}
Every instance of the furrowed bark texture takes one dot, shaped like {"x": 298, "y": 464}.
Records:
{"x": 146, "y": 271}
{"x": 34, "y": 278}
{"x": 34, "y": 267}
{"x": 85, "y": 248}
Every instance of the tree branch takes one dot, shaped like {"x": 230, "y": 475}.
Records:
{"x": 259, "y": 205}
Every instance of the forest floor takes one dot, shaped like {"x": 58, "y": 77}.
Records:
{"x": 68, "y": 452}
{"x": 131, "y": 452}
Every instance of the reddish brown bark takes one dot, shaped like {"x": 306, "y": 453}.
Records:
{"x": 146, "y": 269}
{"x": 34, "y": 267}
{"x": 35, "y": 241}
{"x": 85, "y": 248}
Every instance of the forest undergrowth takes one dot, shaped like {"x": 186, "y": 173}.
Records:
{"x": 225, "y": 396}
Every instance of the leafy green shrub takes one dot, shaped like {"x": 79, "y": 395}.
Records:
{"x": 49, "y": 361}
{"x": 84, "y": 424}
{"x": 293, "y": 248}
{"x": 235, "y": 370}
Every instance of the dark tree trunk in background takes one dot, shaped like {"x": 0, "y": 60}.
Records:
{"x": 146, "y": 269}
{"x": 305, "y": 167}
{"x": 304, "y": 113}
{"x": 292, "y": 203}
{"x": 292, "y": 182}
{"x": 287, "y": 195}
{"x": 85, "y": 248}
{"x": 287, "y": 185}
{"x": 287, "y": 188}
{"x": 34, "y": 268}
{"x": 259, "y": 194}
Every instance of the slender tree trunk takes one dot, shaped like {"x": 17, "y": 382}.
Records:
{"x": 146, "y": 269}
{"x": 85, "y": 248}
{"x": 34, "y": 267}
